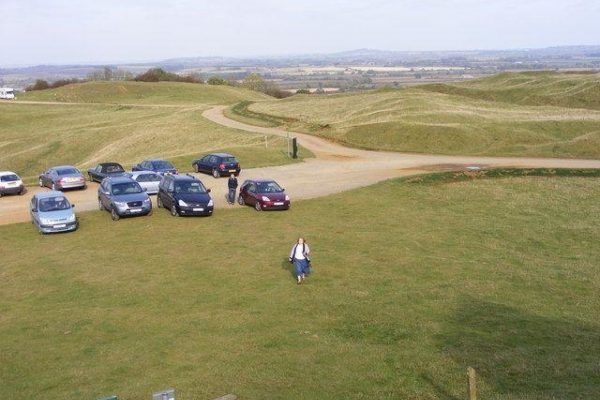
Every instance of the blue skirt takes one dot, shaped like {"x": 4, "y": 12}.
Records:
{"x": 302, "y": 267}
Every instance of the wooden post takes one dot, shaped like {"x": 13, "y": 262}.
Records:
{"x": 472, "y": 386}
{"x": 266, "y": 142}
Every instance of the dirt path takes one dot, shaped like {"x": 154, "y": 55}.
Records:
{"x": 334, "y": 169}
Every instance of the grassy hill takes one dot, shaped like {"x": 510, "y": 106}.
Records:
{"x": 527, "y": 114}
{"x": 144, "y": 93}
{"x": 501, "y": 275}
{"x": 148, "y": 120}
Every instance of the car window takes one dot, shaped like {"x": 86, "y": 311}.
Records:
{"x": 54, "y": 204}
{"x": 148, "y": 178}
{"x": 230, "y": 160}
{"x": 111, "y": 169}
{"x": 189, "y": 187}
{"x": 161, "y": 164}
{"x": 126, "y": 188}
{"x": 268, "y": 187}
{"x": 214, "y": 160}
{"x": 205, "y": 159}
{"x": 171, "y": 186}
{"x": 98, "y": 168}
{"x": 9, "y": 178}
{"x": 251, "y": 188}
{"x": 67, "y": 171}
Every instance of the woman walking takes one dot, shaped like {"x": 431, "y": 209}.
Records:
{"x": 299, "y": 256}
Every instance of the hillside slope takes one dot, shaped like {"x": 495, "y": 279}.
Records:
{"x": 145, "y": 93}
{"x": 532, "y": 114}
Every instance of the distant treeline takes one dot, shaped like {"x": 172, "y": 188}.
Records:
{"x": 252, "y": 81}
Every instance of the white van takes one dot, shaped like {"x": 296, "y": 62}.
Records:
{"x": 7, "y": 93}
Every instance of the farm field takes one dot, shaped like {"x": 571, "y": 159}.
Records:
{"x": 414, "y": 280}
{"x": 160, "y": 120}
{"x": 543, "y": 114}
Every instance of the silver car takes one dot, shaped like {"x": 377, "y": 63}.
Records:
{"x": 148, "y": 180}
{"x": 62, "y": 177}
{"x": 51, "y": 212}
{"x": 123, "y": 196}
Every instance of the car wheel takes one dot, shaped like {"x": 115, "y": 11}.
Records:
{"x": 159, "y": 202}
{"x": 196, "y": 169}
{"x": 100, "y": 205}
{"x": 22, "y": 192}
{"x": 114, "y": 215}
{"x": 216, "y": 174}
{"x": 257, "y": 206}
{"x": 174, "y": 211}
{"x": 40, "y": 182}
{"x": 241, "y": 201}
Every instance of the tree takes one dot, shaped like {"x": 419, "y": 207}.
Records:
{"x": 216, "y": 80}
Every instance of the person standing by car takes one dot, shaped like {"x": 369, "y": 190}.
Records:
{"x": 232, "y": 184}
{"x": 299, "y": 256}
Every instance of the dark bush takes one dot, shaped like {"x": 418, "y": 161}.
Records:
{"x": 41, "y": 84}
{"x": 160, "y": 75}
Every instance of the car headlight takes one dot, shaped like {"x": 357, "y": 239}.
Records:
{"x": 210, "y": 203}
{"x": 265, "y": 198}
{"x": 287, "y": 198}
{"x": 182, "y": 203}
{"x": 46, "y": 221}
{"x": 120, "y": 204}
{"x": 71, "y": 218}
{"x": 146, "y": 201}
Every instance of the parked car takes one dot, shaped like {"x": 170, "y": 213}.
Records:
{"x": 148, "y": 180}
{"x": 263, "y": 194}
{"x": 161, "y": 167}
{"x": 184, "y": 195}
{"x": 104, "y": 170}
{"x": 52, "y": 212}
{"x": 123, "y": 196}
{"x": 62, "y": 177}
{"x": 217, "y": 164}
{"x": 10, "y": 183}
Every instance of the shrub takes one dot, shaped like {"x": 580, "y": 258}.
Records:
{"x": 160, "y": 75}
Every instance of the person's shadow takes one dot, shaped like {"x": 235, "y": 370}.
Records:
{"x": 288, "y": 266}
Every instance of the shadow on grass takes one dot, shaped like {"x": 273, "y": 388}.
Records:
{"x": 288, "y": 266}
{"x": 525, "y": 355}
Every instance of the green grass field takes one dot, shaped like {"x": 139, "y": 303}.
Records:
{"x": 518, "y": 114}
{"x": 414, "y": 280}
{"x": 34, "y": 137}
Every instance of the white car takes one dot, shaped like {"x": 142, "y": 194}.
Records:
{"x": 148, "y": 180}
{"x": 11, "y": 183}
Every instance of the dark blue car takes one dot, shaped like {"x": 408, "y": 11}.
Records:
{"x": 159, "y": 166}
{"x": 217, "y": 164}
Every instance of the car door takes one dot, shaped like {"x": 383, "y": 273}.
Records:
{"x": 251, "y": 194}
{"x": 203, "y": 164}
{"x": 104, "y": 195}
{"x": 170, "y": 192}
{"x": 34, "y": 211}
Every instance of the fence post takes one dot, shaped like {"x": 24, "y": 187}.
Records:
{"x": 472, "y": 383}
{"x": 266, "y": 142}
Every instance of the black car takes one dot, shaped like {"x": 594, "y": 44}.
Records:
{"x": 217, "y": 164}
{"x": 184, "y": 195}
{"x": 104, "y": 170}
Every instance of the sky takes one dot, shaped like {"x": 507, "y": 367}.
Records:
{"x": 112, "y": 31}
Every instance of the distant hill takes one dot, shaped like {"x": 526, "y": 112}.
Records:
{"x": 517, "y": 114}
{"x": 145, "y": 93}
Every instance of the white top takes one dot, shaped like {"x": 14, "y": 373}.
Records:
{"x": 298, "y": 253}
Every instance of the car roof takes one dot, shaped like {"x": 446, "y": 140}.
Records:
{"x": 52, "y": 193}
{"x": 155, "y": 159}
{"x": 110, "y": 163}
{"x": 63, "y": 166}
{"x": 259, "y": 180}
{"x": 119, "y": 179}
{"x": 3, "y": 173}
{"x": 184, "y": 177}
{"x": 221, "y": 155}
{"x": 142, "y": 173}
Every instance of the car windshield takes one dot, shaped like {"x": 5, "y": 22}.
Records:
{"x": 268, "y": 187}
{"x": 126, "y": 188}
{"x": 111, "y": 169}
{"x": 229, "y": 160}
{"x": 148, "y": 178}
{"x": 67, "y": 171}
{"x": 162, "y": 165}
{"x": 54, "y": 204}
{"x": 189, "y": 187}
{"x": 9, "y": 178}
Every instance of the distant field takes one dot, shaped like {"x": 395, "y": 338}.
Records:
{"x": 413, "y": 283}
{"x": 34, "y": 137}
{"x": 519, "y": 114}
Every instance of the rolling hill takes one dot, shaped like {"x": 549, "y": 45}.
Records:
{"x": 519, "y": 114}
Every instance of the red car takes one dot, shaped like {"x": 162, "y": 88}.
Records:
{"x": 263, "y": 194}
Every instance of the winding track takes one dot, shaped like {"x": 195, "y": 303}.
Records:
{"x": 334, "y": 169}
